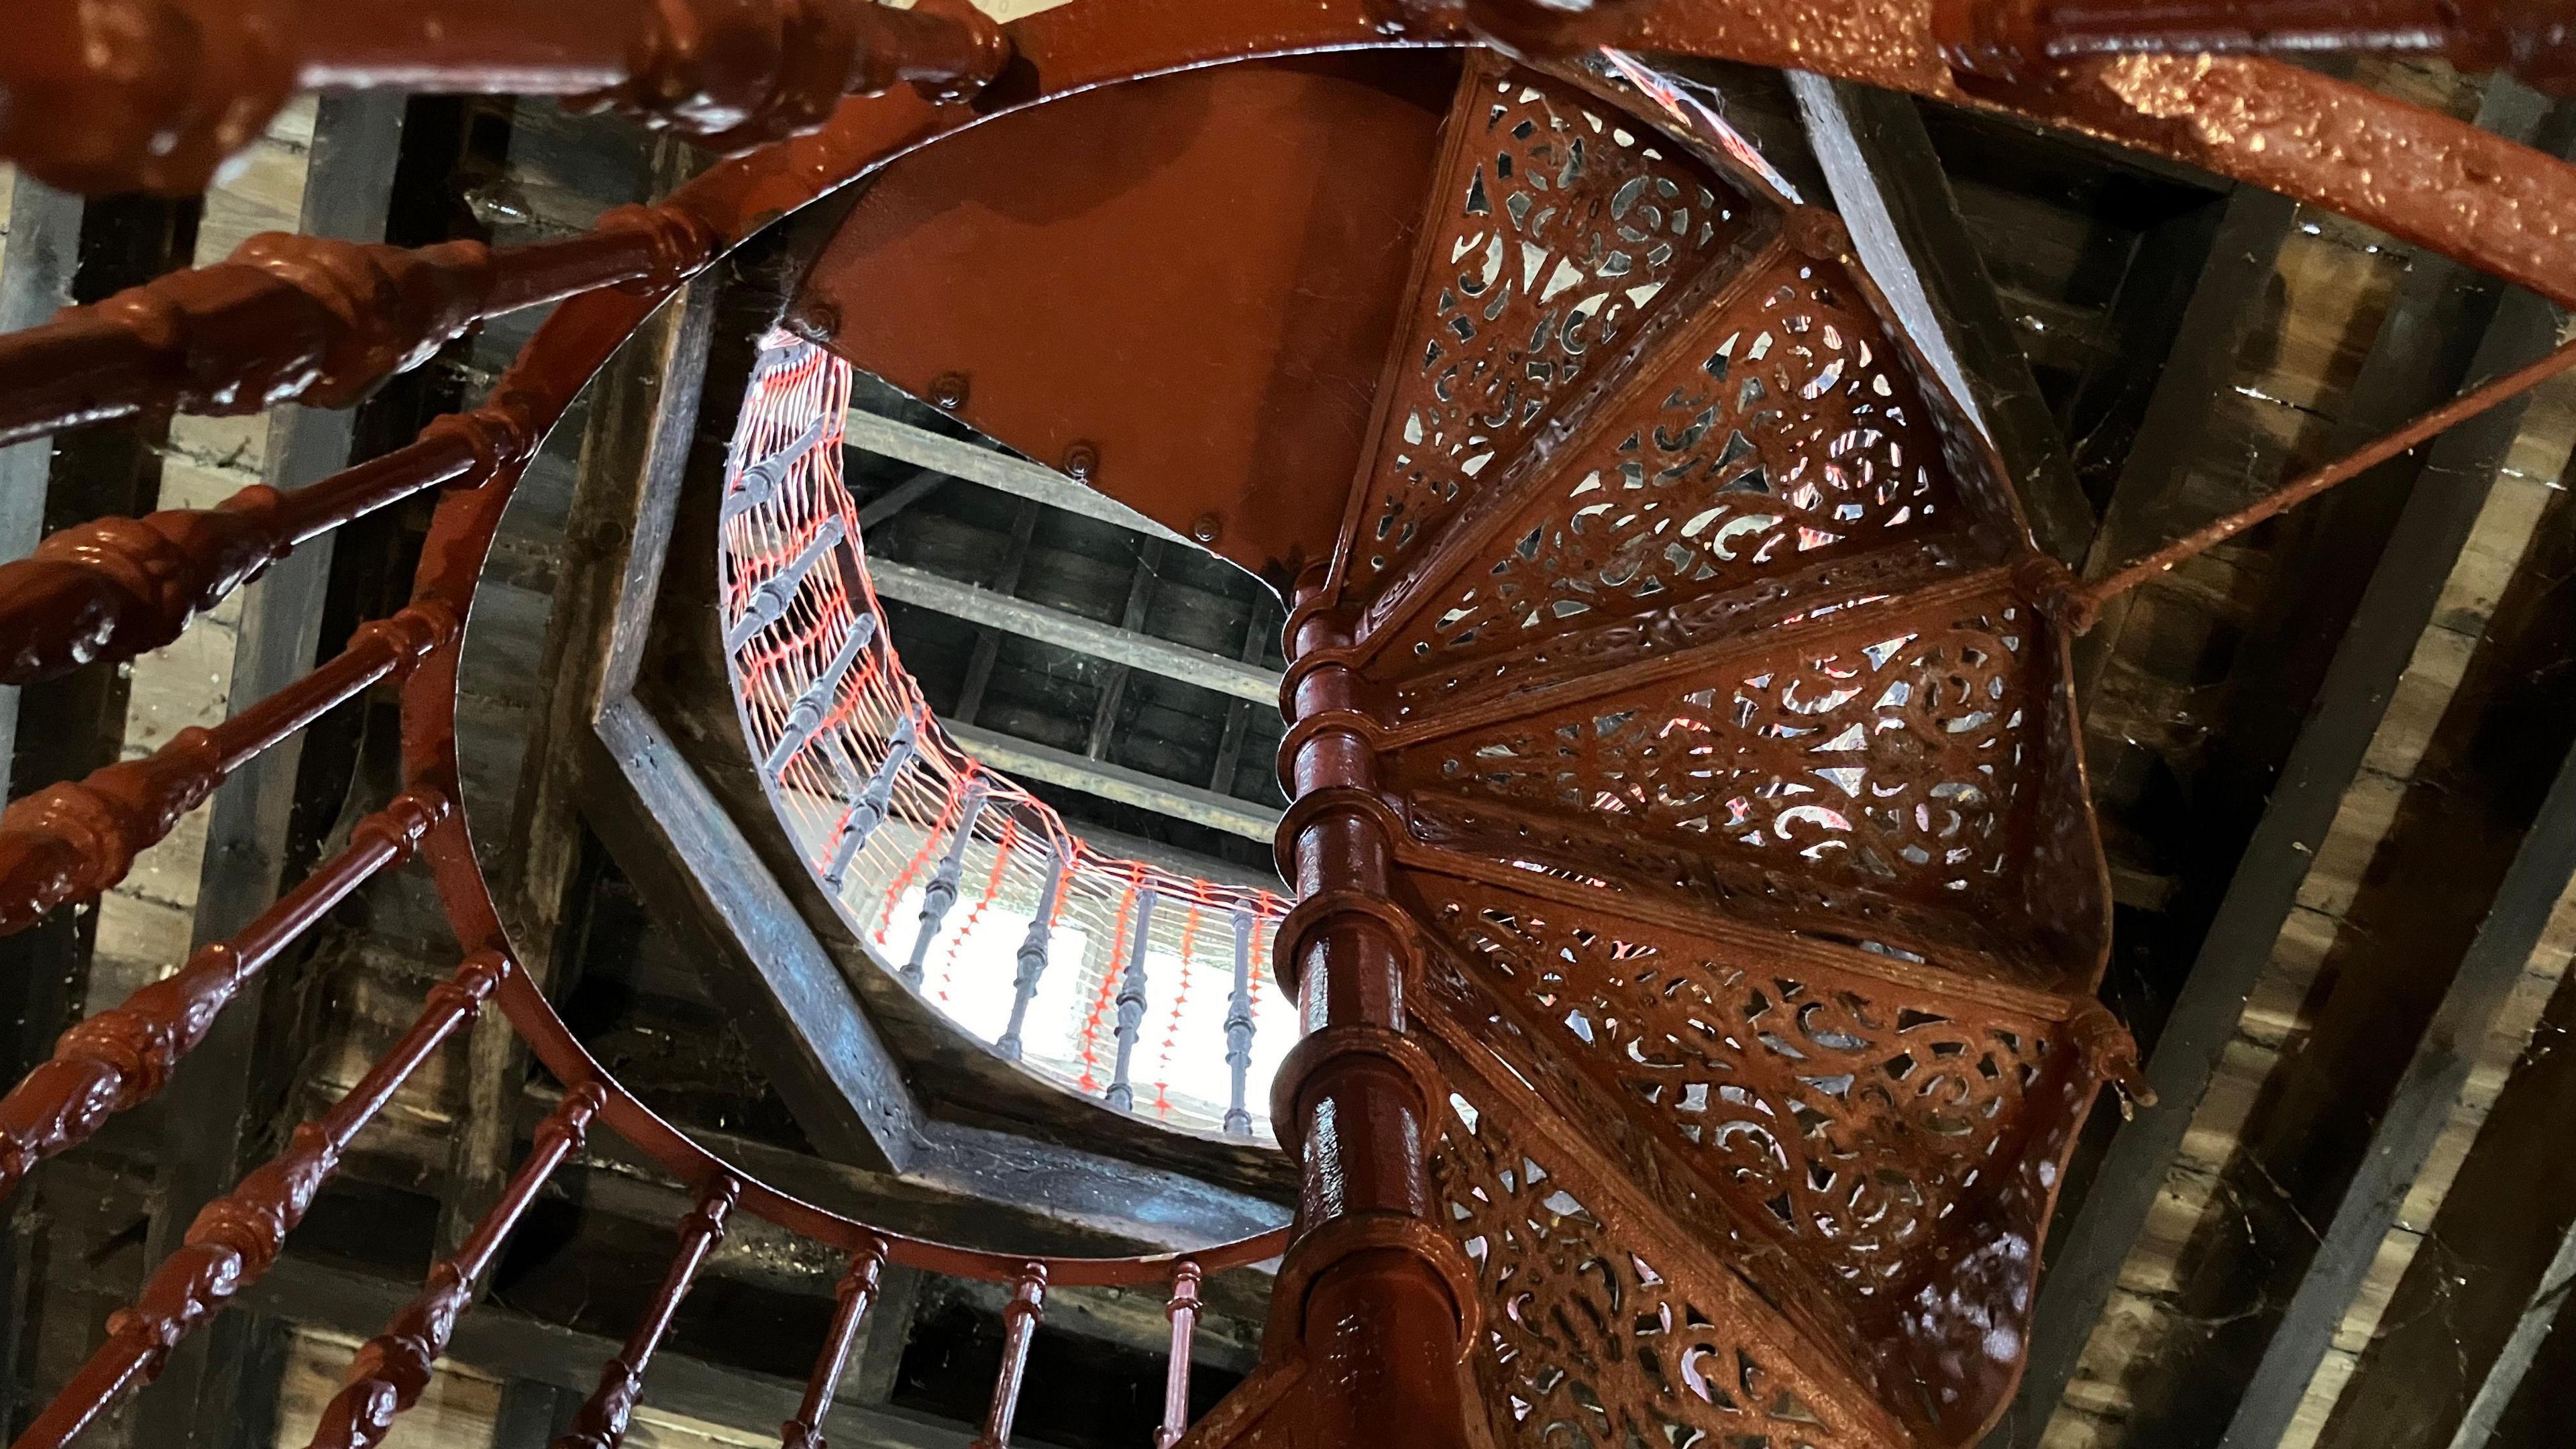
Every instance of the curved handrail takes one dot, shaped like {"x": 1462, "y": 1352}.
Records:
{"x": 2428, "y": 179}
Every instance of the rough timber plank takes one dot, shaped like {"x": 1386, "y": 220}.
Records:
{"x": 2086, "y": 1258}
{"x": 2416, "y": 1115}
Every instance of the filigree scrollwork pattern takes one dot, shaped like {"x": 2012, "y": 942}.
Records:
{"x": 1893, "y": 763}
{"x": 1847, "y": 1113}
{"x": 1782, "y": 429}
{"x": 1566, "y": 234}
{"x": 1591, "y": 1337}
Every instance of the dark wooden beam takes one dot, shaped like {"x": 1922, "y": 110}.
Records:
{"x": 68, "y": 727}
{"x": 643, "y": 423}
{"x": 41, "y": 253}
{"x": 1131, "y": 620}
{"x": 2416, "y": 1116}
{"x": 37, "y": 260}
{"x": 671, "y": 837}
{"x": 923, "y": 483}
{"x": 533, "y": 1413}
{"x": 2088, "y": 1249}
{"x": 1006, "y": 582}
{"x": 1905, "y": 223}
{"x": 2468, "y": 1319}
{"x": 2225, "y": 304}
{"x": 1258, "y": 631}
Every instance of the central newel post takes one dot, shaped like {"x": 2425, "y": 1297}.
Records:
{"x": 1373, "y": 1291}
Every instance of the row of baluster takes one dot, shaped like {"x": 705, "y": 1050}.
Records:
{"x": 238, "y": 1238}
{"x": 270, "y": 325}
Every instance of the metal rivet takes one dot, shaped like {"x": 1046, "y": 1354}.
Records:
{"x": 948, "y": 390}
{"x": 816, "y": 321}
{"x": 1081, "y": 461}
{"x": 1208, "y": 528}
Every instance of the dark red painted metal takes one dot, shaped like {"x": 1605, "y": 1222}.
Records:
{"x": 856, "y": 1294}
{"x": 1183, "y": 1310}
{"x": 1020, "y": 1319}
{"x": 310, "y": 319}
{"x": 1374, "y": 1295}
{"x": 120, "y": 587}
{"x": 122, "y": 1057}
{"x": 1305, "y": 174}
{"x": 155, "y": 94}
{"x": 392, "y": 1370}
{"x": 603, "y": 1418}
{"x": 2008, "y": 39}
{"x": 237, "y": 1238}
{"x": 73, "y": 841}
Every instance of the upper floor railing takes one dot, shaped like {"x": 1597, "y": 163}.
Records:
{"x": 1124, "y": 981}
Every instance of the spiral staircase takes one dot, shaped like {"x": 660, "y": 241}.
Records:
{"x": 1698, "y": 902}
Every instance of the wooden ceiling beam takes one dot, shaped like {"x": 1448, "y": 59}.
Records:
{"x": 2099, "y": 1229}
{"x": 1905, "y": 223}
{"x": 1116, "y": 643}
{"x": 1116, "y": 782}
{"x": 2415, "y": 1119}
{"x": 1003, "y": 472}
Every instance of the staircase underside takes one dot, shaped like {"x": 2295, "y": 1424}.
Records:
{"x": 1724, "y": 736}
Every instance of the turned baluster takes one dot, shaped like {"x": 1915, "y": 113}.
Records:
{"x": 759, "y": 481}
{"x": 118, "y": 587}
{"x": 1020, "y": 1318}
{"x": 392, "y": 1370}
{"x": 312, "y": 319}
{"x": 1131, "y": 1004}
{"x": 868, "y": 812}
{"x": 73, "y": 841}
{"x": 602, "y": 1421}
{"x": 1238, "y": 1026}
{"x": 806, "y": 715}
{"x": 1032, "y": 960}
{"x": 238, "y": 1236}
{"x": 858, "y": 1291}
{"x": 940, "y": 896}
{"x": 769, "y": 601}
{"x": 1184, "y": 1313}
{"x": 119, "y": 1059}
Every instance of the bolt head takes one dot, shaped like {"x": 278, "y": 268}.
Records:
{"x": 1082, "y": 462}
{"x": 1208, "y": 529}
{"x": 816, "y": 321}
{"x": 949, "y": 391}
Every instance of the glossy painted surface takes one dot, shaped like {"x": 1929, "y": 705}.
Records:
{"x": 1417, "y": 1074}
